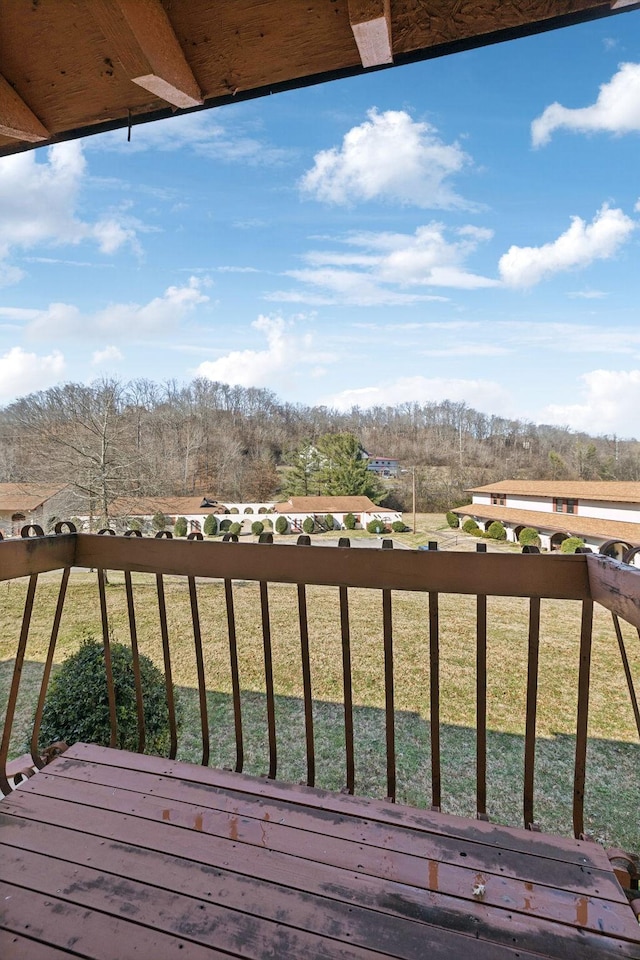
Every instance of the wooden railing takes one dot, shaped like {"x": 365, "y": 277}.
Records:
{"x": 582, "y": 578}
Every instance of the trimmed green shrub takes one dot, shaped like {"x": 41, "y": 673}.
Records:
{"x": 453, "y": 520}
{"x": 180, "y": 527}
{"x": 268, "y": 525}
{"x": 257, "y": 527}
{"x": 497, "y": 531}
{"x": 160, "y": 521}
{"x": 77, "y": 704}
{"x": 529, "y": 537}
{"x": 248, "y": 509}
{"x": 235, "y": 528}
{"x": 282, "y": 525}
{"x": 470, "y": 526}
{"x": 399, "y": 526}
{"x": 210, "y": 525}
{"x": 350, "y": 521}
{"x": 308, "y": 525}
{"x": 375, "y": 526}
{"x": 134, "y": 524}
{"x": 329, "y": 521}
{"x": 571, "y": 544}
{"x": 224, "y": 525}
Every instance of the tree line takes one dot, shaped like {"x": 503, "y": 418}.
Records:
{"x": 140, "y": 438}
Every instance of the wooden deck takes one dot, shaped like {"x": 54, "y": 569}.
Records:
{"x": 111, "y": 855}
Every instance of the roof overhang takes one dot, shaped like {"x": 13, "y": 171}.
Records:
{"x": 71, "y": 68}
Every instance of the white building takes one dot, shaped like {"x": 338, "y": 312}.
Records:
{"x": 596, "y": 511}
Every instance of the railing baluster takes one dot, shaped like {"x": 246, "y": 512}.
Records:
{"x": 346, "y": 680}
{"x": 434, "y": 695}
{"x": 305, "y": 541}
{"x": 627, "y": 670}
{"x": 15, "y": 683}
{"x": 268, "y": 677}
{"x": 164, "y": 632}
{"x": 111, "y": 694}
{"x": 202, "y": 689}
{"x": 481, "y": 707}
{"x": 387, "y": 627}
{"x": 532, "y": 706}
{"x": 582, "y": 717}
{"x": 135, "y": 660}
{"x": 35, "y": 735}
{"x": 235, "y": 675}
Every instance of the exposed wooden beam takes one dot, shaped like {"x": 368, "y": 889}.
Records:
{"x": 144, "y": 42}
{"x": 16, "y": 119}
{"x": 371, "y": 24}
{"x": 619, "y": 4}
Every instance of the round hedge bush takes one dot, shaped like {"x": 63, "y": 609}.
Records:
{"x": 210, "y": 525}
{"x": 180, "y": 527}
{"x": 350, "y": 521}
{"x": 235, "y": 528}
{"x": 497, "y": 531}
{"x": 398, "y": 526}
{"x": 470, "y": 526}
{"x": 453, "y": 520}
{"x": 308, "y": 525}
{"x": 77, "y": 706}
{"x": 329, "y": 521}
{"x": 268, "y": 525}
{"x": 375, "y": 526}
{"x": 257, "y": 527}
{"x": 282, "y": 525}
{"x": 529, "y": 537}
{"x": 571, "y": 544}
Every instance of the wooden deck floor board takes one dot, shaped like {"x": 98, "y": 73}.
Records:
{"x": 268, "y": 892}
{"x": 504, "y": 838}
{"x": 182, "y": 857}
{"x": 233, "y": 808}
{"x": 580, "y": 910}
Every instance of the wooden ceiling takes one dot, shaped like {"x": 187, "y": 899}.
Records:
{"x": 69, "y": 68}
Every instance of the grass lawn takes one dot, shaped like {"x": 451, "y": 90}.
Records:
{"x": 614, "y": 753}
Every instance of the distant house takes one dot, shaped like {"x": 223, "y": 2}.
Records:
{"x": 383, "y": 466}
{"x": 297, "y": 509}
{"x": 32, "y": 503}
{"x": 596, "y": 511}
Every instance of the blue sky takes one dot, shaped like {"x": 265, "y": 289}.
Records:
{"x": 463, "y": 228}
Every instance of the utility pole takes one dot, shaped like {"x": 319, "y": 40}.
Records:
{"x": 413, "y": 487}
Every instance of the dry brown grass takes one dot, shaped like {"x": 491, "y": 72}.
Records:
{"x": 614, "y": 754}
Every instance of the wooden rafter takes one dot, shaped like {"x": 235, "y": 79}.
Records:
{"x": 144, "y": 42}
{"x": 371, "y": 24}
{"x": 16, "y": 119}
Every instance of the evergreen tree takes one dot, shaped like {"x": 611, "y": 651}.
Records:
{"x": 344, "y": 468}
{"x": 303, "y": 477}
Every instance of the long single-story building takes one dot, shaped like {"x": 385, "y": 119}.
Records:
{"x": 597, "y": 511}
{"x": 297, "y": 509}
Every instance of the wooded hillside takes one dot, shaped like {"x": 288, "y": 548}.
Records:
{"x": 144, "y": 438}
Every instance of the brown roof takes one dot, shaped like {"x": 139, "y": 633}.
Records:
{"x": 24, "y": 497}
{"x": 72, "y": 69}
{"x": 328, "y": 505}
{"x": 173, "y": 506}
{"x": 610, "y": 490}
{"x": 555, "y": 522}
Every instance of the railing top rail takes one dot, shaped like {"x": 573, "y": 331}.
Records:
{"x": 492, "y": 574}
{"x": 616, "y": 586}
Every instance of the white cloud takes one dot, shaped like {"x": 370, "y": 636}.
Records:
{"x": 39, "y": 206}
{"x": 481, "y": 394}
{"x": 610, "y": 404}
{"x": 578, "y": 246}
{"x": 388, "y": 157}
{"x": 22, "y": 372}
{"x": 199, "y": 132}
{"x": 110, "y": 354}
{"x": 286, "y": 351}
{"x": 383, "y": 268}
{"x": 126, "y": 320}
{"x": 587, "y": 294}
{"x": 617, "y": 109}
